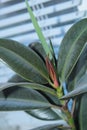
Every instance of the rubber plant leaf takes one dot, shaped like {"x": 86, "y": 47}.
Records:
{"x": 71, "y": 49}
{"x": 25, "y": 62}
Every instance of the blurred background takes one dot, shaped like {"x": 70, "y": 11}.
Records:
{"x": 55, "y": 17}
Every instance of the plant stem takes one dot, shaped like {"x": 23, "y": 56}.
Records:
{"x": 70, "y": 119}
{"x": 69, "y": 116}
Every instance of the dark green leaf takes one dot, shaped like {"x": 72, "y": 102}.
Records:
{"x": 83, "y": 113}
{"x": 16, "y": 78}
{"x": 56, "y": 126}
{"x": 37, "y": 47}
{"x": 81, "y": 88}
{"x": 54, "y": 61}
{"x": 28, "y": 85}
{"x": 71, "y": 48}
{"x": 78, "y": 71}
{"x": 76, "y": 111}
{"x": 23, "y": 61}
{"x": 82, "y": 82}
{"x": 52, "y": 99}
{"x": 44, "y": 114}
{"x": 22, "y": 99}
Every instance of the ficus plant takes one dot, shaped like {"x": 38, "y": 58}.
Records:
{"x": 42, "y": 80}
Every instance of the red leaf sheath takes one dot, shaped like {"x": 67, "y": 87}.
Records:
{"x": 51, "y": 72}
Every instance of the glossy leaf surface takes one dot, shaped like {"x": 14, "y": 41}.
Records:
{"x": 22, "y": 99}
{"x": 44, "y": 114}
{"x": 24, "y": 62}
{"x": 81, "y": 88}
{"x": 56, "y": 126}
{"x": 38, "y": 48}
{"x": 83, "y": 113}
{"x": 71, "y": 48}
{"x": 50, "y": 96}
{"x": 78, "y": 71}
{"x": 28, "y": 85}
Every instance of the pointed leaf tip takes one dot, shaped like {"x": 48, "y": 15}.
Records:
{"x": 38, "y": 30}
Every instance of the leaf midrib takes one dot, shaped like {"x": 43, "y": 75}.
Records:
{"x": 26, "y": 62}
{"x": 80, "y": 91}
{"x": 16, "y": 99}
{"x": 67, "y": 57}
{"x": 45, "y": 89}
